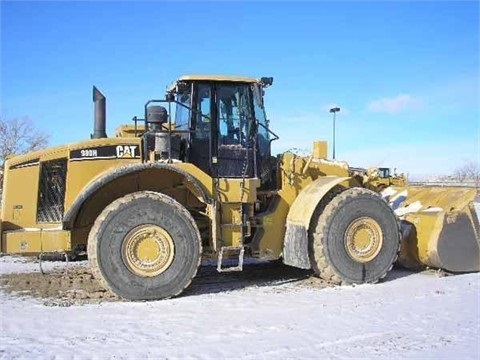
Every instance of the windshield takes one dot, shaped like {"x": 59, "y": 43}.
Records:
{"x": 384, "y": 173}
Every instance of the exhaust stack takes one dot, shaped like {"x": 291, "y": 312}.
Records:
{"x": 99, "y": 124}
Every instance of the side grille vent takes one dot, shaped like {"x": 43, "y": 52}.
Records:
{"x": 51, "y": 194}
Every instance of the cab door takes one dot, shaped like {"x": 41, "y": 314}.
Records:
{"x": 235, "y": 120}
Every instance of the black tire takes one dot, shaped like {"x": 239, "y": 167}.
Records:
{"x": 111, "y": 229}
{"x": 329, "y": 256}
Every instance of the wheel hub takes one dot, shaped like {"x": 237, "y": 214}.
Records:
{"x": 148, "y": 250}
{"x": 363, "y": 239}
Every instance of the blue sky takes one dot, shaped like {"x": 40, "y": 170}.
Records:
{"x": 405, "y": 74}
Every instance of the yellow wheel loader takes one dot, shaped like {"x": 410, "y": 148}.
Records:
{"x": 195, "y": 175}
{"x": 382, "y": 178}
{"x": 377, "y": 179}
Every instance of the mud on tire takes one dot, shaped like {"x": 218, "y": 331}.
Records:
{"x": 107, "y": 238}
{"x": 331, "y": 254}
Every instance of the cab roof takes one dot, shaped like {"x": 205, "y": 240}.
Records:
{"x": 217, "y": 78}
{"x": 220, "y": 78}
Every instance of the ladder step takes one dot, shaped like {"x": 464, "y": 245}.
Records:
{"x": 226, "y": 249}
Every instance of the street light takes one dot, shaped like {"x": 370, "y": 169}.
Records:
{"x": 334, "y": 110}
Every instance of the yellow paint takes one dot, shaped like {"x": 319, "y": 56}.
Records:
{"x": 237, "y": 190}
{"x": 372, "y": 180}
{"x": 436, "y": 209}
{"x": 448, "y": 198}
{"x": 303, "y": 181}
{"x": 231, "y": 224}
{"x": 17, "y": 242}
{"x": 81, "y": 173}
{"x": 217, "y": 78}
{"x": 306, "y": 202}
{"x": 363, "y": 239}
{"x": 148, "y": 250}
{"x": 35, "y": 241}
{"x": 55, "y": 240}
{"x": 320, "y": 149}
{"x": 126, "y": 131}
{"x": 301, "y": 189}
{"x": 270, "y": 244}
{"x": 19, "y": 208}
{"x": 198, "y": 174}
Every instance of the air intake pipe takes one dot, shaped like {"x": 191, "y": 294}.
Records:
{"x": 99, "y": 124}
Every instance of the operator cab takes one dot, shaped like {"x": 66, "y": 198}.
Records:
{"x": 384, "y": 173}
{"x": 219, "y": 124}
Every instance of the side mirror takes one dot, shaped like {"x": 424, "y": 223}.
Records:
{"x": 266, "y": 81}
{"x": 169, "y": 97}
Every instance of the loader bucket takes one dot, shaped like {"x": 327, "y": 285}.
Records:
{"x": 439, "y": 225}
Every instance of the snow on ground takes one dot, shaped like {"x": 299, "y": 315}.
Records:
{"x": 413, "y": 316}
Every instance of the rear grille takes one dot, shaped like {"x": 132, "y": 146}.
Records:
{"x": 51, "y": 195}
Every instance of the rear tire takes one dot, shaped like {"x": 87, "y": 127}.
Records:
{"x": 145, "y": 246}
{"x": 354, "y": 238}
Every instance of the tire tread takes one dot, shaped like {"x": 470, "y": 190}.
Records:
{"x": 92, "y": 246}
{"x": 322, "y": 217}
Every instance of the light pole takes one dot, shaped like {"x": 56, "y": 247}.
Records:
{"x": 334, "y": 110}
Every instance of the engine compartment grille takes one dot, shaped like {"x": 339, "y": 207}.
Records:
{"x": 51, "y": 194}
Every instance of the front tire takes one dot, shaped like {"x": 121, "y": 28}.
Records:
{"x": 354, "y": 238}
{"x": 145, "y": 246}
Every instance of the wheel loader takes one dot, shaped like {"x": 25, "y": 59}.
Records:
{"x": 194, "y": 175}
{"x": 378, "y": 178}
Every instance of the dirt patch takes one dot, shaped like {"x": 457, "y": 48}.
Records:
{"x": 76, "y": 285}
{"x": 315, "y": 282}
{"x": 61, "y": 288}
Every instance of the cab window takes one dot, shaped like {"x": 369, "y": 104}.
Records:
{"x": 182, "y": 114}
{"x": 203, "y": 116}
{"x": 234, "y": 114}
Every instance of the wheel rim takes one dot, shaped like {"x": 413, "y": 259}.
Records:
{"x": 148, "y": 250}
{"x": 363, "y": 239}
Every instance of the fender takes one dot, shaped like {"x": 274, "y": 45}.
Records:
{"x": 111, "y": 175}
{"x": 295, "y": 244}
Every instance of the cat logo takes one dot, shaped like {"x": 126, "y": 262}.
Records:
{"x": 126, "y": 151}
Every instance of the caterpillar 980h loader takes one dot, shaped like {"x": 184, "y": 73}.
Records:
{"x": 196, "y": 175}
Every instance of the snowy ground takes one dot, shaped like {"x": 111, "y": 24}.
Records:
{"x": 415, "y": 316}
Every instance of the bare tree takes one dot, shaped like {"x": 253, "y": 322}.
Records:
{"x": 469, "y": 171}
{"x": 19, "y": 136}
